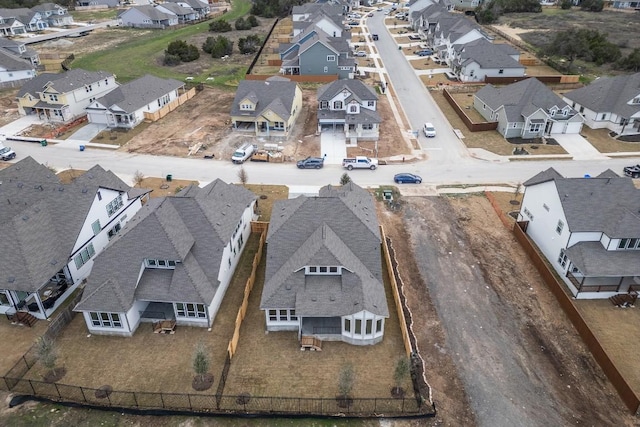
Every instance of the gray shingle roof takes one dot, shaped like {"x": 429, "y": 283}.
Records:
{"x": 486, "y": 54}
{"x": 42, "y": 219}
{"x": 339, "y": 228}
{"x": 594, "y": 260}
{"x": 63, "y": 82}
{"x": 134, "y": 95}
{"x": 36, "y": 84}
{"x": 151, "y": 12}
{"x": 609, "y": 94}
{"x": 192, "y": 228}
{"x": 521, "y": 99}
{"x": 359, "y": 90}
{"x": 272, "y": 94}
{"x": 601, "y": 204}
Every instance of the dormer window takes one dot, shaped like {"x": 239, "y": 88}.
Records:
{"x": 323, "y": 270}
{"x": 160, "y": 263}
{"x": 629, "y": 243}
{"x": 635, "y": 100}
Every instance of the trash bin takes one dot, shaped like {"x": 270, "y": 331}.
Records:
{"x": 82, "y": 148}
{"x": 169, "y": 177}
{"x": 43, "y": 142}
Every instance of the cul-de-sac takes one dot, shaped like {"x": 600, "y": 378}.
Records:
{"x": 333, "y": 212}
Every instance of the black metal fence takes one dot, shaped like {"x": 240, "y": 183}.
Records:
{"x": 213, "y": 403}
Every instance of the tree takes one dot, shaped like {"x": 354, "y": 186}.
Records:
{"x": 345, "y": 179}
{"x": 241, "y": 24}
{"x": 571, "y": 44}
{"x": 201, "y": 361}
{"x": 592, "y": 5}
{"x": 179, "y": 51}
{"x": 243, "y": 176}
{"x": 218, "y": 46}
{"x": 346, "y": 380}
{"x": 253, "y": 21}
{"x": 47, "y": 352}
{"x": 631, "y": 62}
{"x": 400, "y": 374}
{"x": 220, "y": 26}
{"x": 138, "y": 177}
{"x": 249, "y": 44}
{"x": 566, "y": 4}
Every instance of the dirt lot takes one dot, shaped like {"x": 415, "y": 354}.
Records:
{"x": 496, "y": 333}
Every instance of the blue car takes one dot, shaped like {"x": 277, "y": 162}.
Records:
{"x": 407, "y": 178}
{"x": 423, "y": 52}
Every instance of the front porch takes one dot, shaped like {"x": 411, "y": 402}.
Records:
{"x": 601, "y": 285}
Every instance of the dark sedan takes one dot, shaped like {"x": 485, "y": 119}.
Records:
{"x": 407, "y": 178}
{"x": 311, "y": 163}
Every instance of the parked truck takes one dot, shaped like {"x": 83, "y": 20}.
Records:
{"x": 360, "y": 162}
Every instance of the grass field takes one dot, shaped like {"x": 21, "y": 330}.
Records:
{"x": 143, "y": 51}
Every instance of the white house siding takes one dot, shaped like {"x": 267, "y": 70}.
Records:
{"x": 468, "y": 37}
{"x": 362, "y": 339}
{"x": 543, "y": 203}
{"x": 134, "y": 17}
{"x": 10, "y": 76}
{"x": 601, "y": 120}
{"x": 80, "y": 99}
{"x": 96, "y": 115}
{"x": 281, "y": 325}
{"x": 473, "y": 72}
{"x": 594, "y": 236}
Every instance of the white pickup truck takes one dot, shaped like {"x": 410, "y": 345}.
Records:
{"x": 360, "y": 162}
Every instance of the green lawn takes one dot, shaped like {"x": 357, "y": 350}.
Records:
{"x": 139, "y": 55}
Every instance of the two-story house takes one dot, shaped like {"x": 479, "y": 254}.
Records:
{"x": 325, "y": 17}
{"x": 349, "y": 106}
{"x": 14, "y": 69}
{"x": 609, "y": 102}
{"x": 126, "y": 105}
{"x": 526, "y": 109}
{"x": 63, "y": 97}
{"x": 172, "y": 262}
{"x": 587, "y": 228}
{"x": 266, "y": 108}
{"x": 323, "y": 276}
{"x": 315, "y": 53}
{"x": 20, "y": 49}
{"x": 51, "y": 232}
{"x": 200, "y": 7}
{"x": 54, "y": 14}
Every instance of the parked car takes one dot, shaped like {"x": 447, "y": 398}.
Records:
{"x": 243, "y": 153}
{"x": 361, "y": 54}
{"x": 423, "y": 52}
{"x": 311, "y": 163}
{"x": 7, "y": 153}
{"x": 406, "y": 178}
{"x": 429, "y": 130}
{"x": 632, "y": 171}
{"x": 374, "y": 37}
{"x": 379, "y": 9}
{"x": 353, "y": 23}
{"x": 359, "y": 162}
{"x": 414, "y": 37}
{"x": 370, "y": 14}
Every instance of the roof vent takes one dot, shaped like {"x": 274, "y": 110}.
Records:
{"x": 26, "y": 217}
{"x": 53, "y": 262}
{"x": 20, "y": 185}
{"x": 313, "y": 298}
{"x": 332, "y": 298}
{"x": 11, "y": 279}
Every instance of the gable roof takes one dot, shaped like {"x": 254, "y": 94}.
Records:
{"x": 521, "y": 99}
{"x": 42, "y": 219}
{"x": 609, "y": 94}
{"x": 275, "y": 95}
{"x": 359, "y": 90}
{"x": 62, "y": 82}
{"x": 11, "y": 62}
{"x": 191, "y": 228}
{"x": 486, "y": 54}
{"x": 151, "y": 12}
{"x": 134, "y": 95}
{"x": 602, "y": 204}
{"x": 337, "y": 228}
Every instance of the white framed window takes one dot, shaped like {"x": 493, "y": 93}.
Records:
{"x": 324, "y": 105}
{"x": 636, "y": 100}
{"x": 528, "y": 214}
{"x": 379, "y": 325}
{"x": 535, "y": 127}
{"x": 559, "y": 227}
{"x": 282, "y": 315}
{"x": 105, "y": 320}
{"x": 84, "y": 255}
{"x": 278, "y": 125}
{"x": 358, "y": 330}
{"x": 187, "y": 309}
{"x": 629, "y": 243}
{"x": 331, "y": 58}
{"x": 371, "y": 103}
{"x": 53, "y": 97}
{"x": 562, "y": 258}
{"x": 367, "y": 126}
{"x": 95, "y": 227}
{"x": 321, "y": 270}
{"x": 337, "y": 105}
{"x": 160, "y": 263}
{"x": 326, "y": 69}
{"x": 347, "y": 325}
{"x": 500, "y": 71}
{"x": 114, "y": 205}
{"x": 115, "y": 230}
{"x": 353, "y": 108}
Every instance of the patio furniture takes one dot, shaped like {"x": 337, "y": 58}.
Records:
{"x": 310, "y": 343}
{"x": 164, "y": 327}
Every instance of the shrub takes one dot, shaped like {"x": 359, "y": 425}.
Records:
{"x": 218, "y": 46}
{"x": 241, "y": 24}
{"x": 220, "y": 26}
{"x": 249, "y": 44}
{"x": 253, "y": 21}
{"x": 182, "y": 51}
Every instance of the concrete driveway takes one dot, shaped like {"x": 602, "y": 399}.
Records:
{"x": 88, "y": 131}
{"x": 333, "y": 147}
{"x": 578, "y": 147}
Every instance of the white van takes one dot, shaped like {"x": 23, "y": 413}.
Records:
{"x": 243, "y": 153}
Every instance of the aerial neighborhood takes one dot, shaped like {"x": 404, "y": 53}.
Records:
{"x": 465, "y": 248}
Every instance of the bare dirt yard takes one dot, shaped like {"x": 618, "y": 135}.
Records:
{"x": 499, "y": 350}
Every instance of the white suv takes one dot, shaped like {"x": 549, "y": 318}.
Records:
{"x": 429, "y": 130}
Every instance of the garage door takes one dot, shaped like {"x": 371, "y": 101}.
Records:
{"x": 573, "y": 127}
{"x": 557, "y": 127}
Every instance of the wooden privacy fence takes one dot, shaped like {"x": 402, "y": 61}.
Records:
{"x": 626, "y": 392}
{"x": 295, "y": 78}
{"x": 473, "y": 127}
{"x": 242, "y": 311}
{"x": 396, "y": 295}
{"x": 504, "y": 218}
{"x": 157, "y": 115}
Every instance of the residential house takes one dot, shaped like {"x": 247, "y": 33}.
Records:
{"x": 20, "y": 49}
{"x": 314, "y": 53}
{"x": 266, "y": 108}
{"x": 527, "y": 109}
{"x": 107, "y": 3}
{"x": 63, "y": 97}
{"x": 54, "y": 14}
{"x": 325, "y": 17}
{"x": 173, "y": 261}
{"x": 10, "y": 26}
{"x": 622, "y": 4}
{"x": 479, "y": 59}
{"x": 588, "y": 229}
{"x": 126, "y": 105}
{"x": 185, "y": 14}
{"x": 147, "y": 16}
{"x": 51, "y": 232}
{"x": 451, "y": 30}
{"x": 31, "y": 19}
{"x": 609, "y": 102}
{"x": 323, "y": 275}
{"x": 349, "y": 106}
{"x": 14, "y": 69}
{"x": 201, "y": 8}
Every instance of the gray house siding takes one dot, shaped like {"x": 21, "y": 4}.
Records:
{"x": 314, "y": 60}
